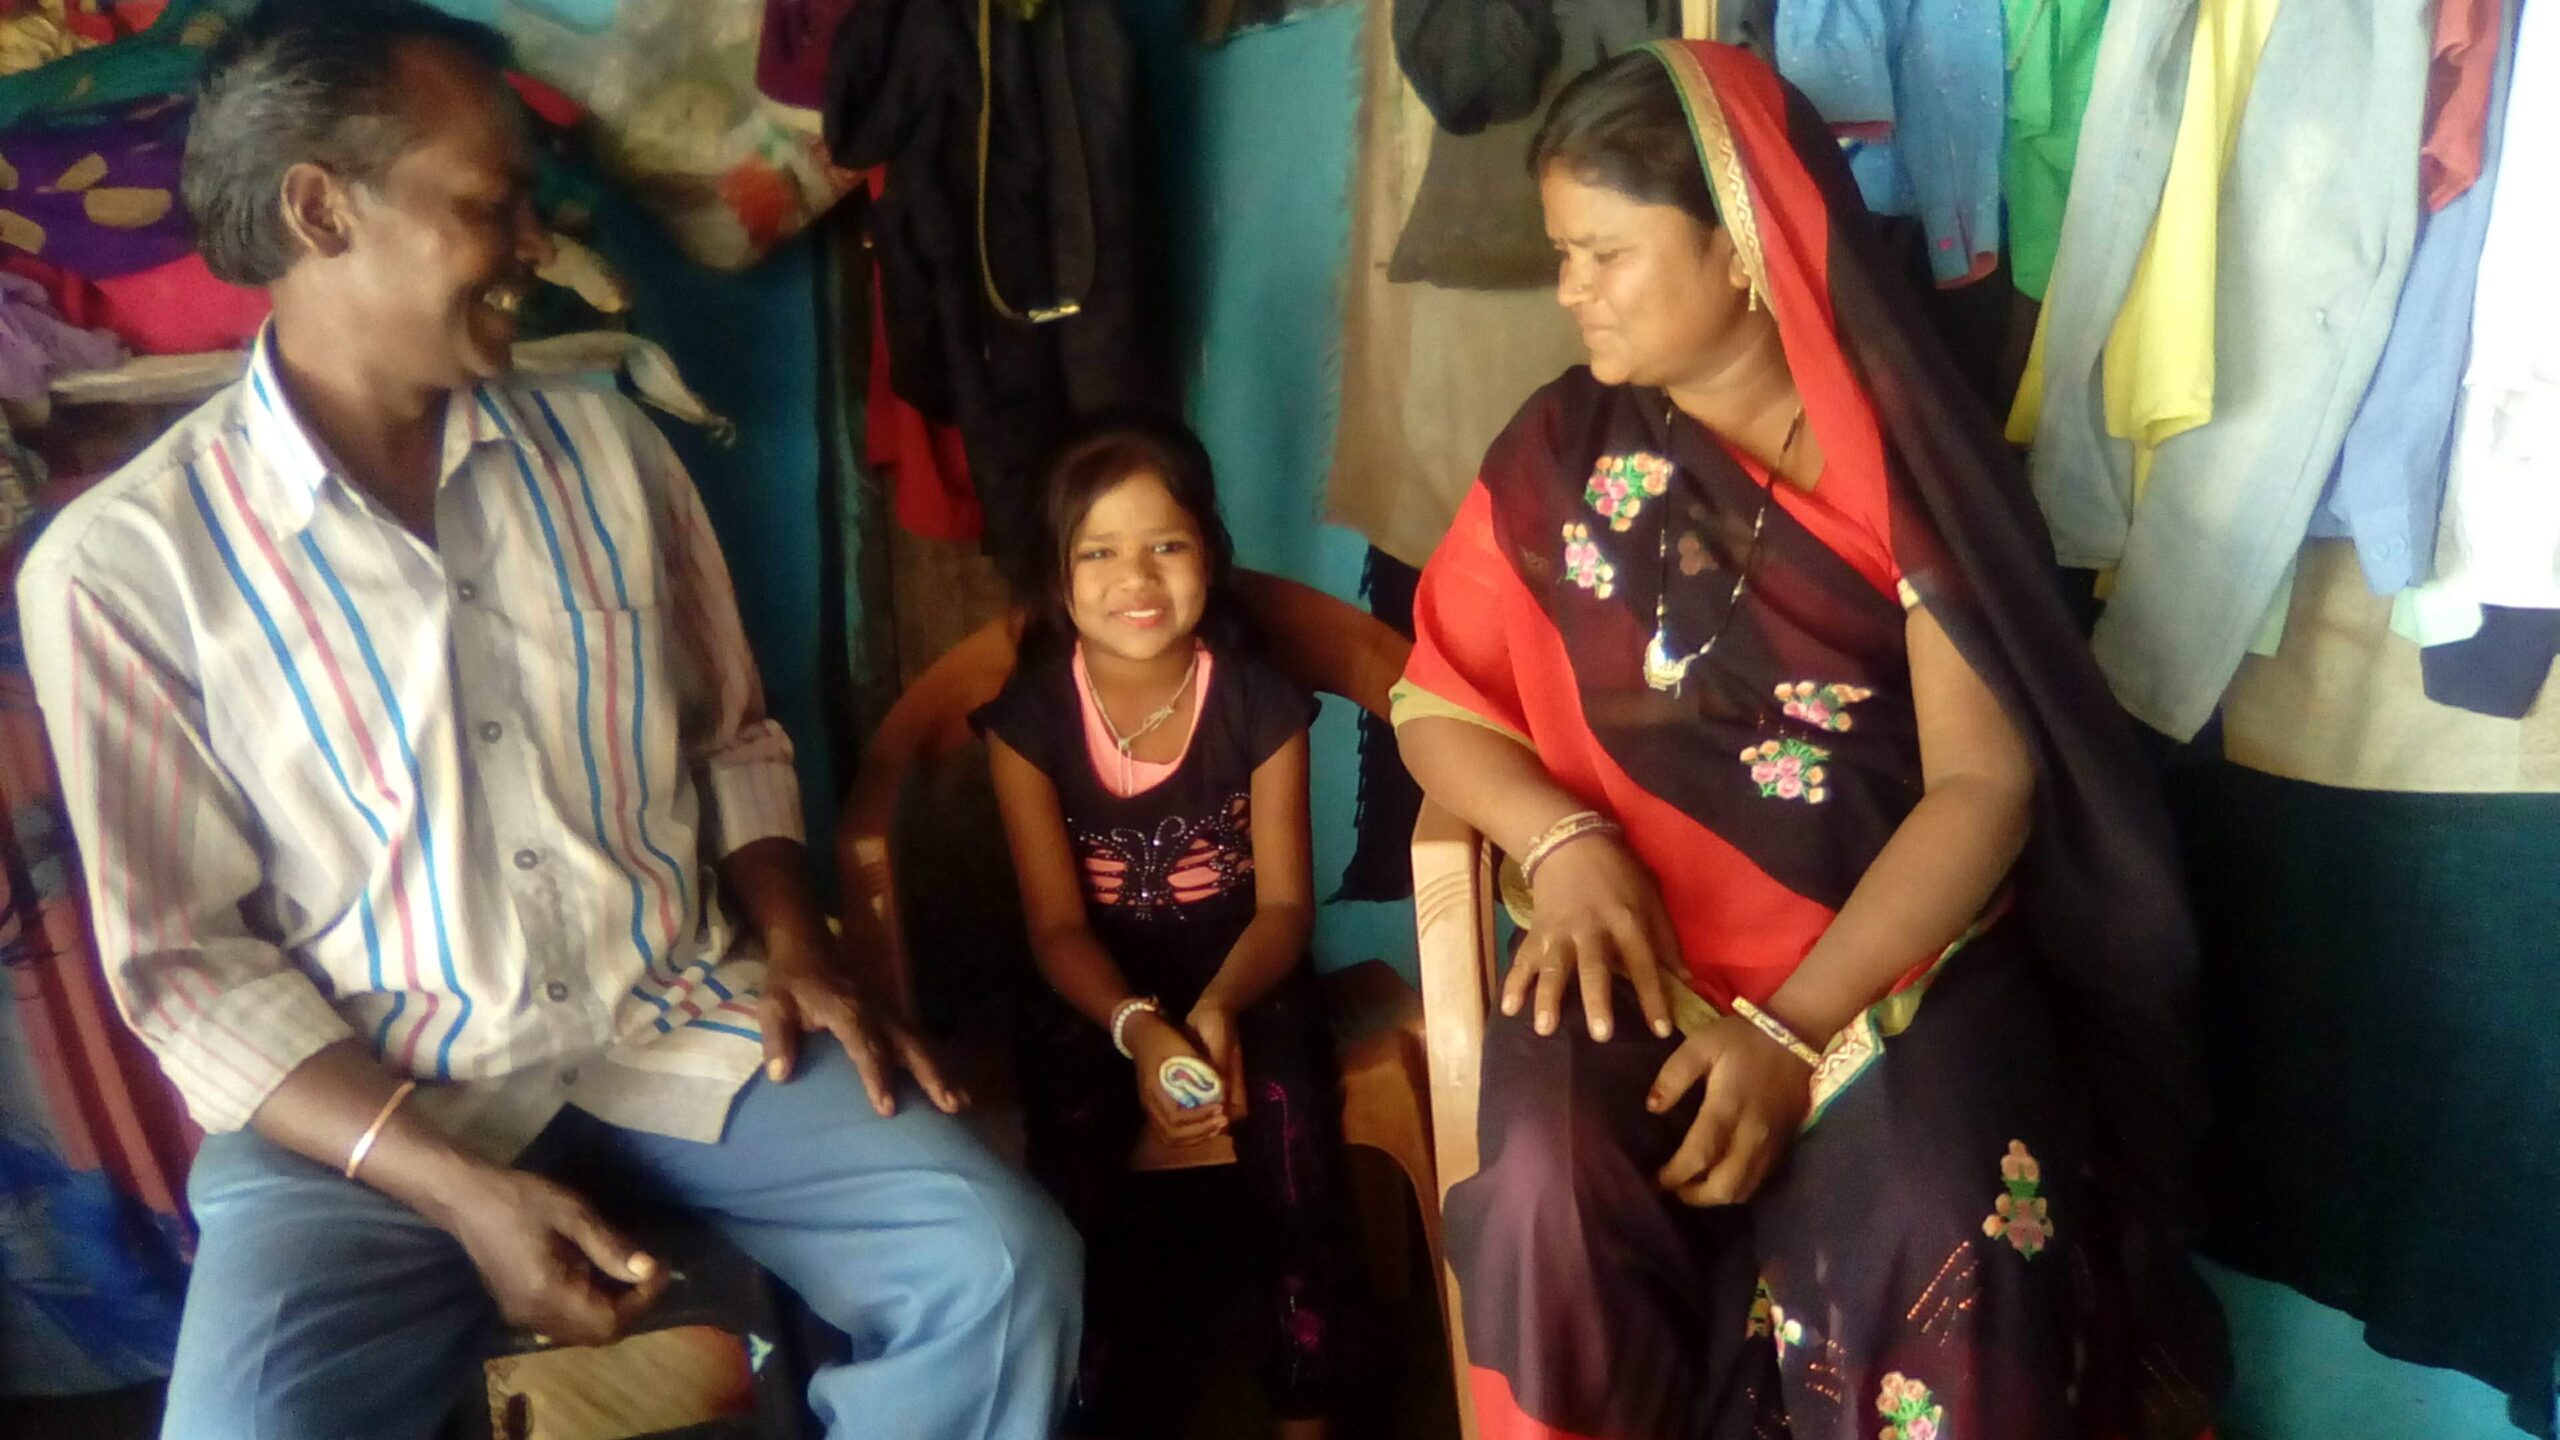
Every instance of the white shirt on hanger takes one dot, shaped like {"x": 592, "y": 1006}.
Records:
{"x": 2499, "y": 539}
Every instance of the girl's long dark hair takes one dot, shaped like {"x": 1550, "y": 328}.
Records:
{"x": 1107, "y": 448}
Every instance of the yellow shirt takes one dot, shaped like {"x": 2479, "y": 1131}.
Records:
{"x": 2159, "y": 357}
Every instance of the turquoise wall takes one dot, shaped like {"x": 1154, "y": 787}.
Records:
{"x": 1250, "y": 154}
{"x": 748, "y": 345}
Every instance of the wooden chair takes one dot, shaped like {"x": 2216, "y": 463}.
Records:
{"x": 1321, "y": 643}
{"x": 1453, "y": 899}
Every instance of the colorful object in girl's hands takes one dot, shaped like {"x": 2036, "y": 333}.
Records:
{"x": 1190, "y": 1083}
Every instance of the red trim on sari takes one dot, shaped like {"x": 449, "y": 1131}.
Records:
{"x": 1498, "y": 1414}
{"x": 1794, "y": 225}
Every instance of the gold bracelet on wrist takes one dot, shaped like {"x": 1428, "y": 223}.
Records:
{"x": 1776, "y": 1029}
{"x": 373, "y": 1132}
{"x": 1562, "y": 833}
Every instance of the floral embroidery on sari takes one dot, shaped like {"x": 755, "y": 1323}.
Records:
{"x": 1789, "y": 770}
{"x": 1910, "y": 1411}
{"x": 2019, "y": 1216}
{"x": 1585, "y": 566}
{"x": 1620, "y": 484}
{"x": 1824, "y": 707}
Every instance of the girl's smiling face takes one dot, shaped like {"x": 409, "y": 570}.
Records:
{"x": 1137, "y": 573}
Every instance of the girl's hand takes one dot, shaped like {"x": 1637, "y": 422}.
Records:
{"x": 1757, "y": 1096}
{"x": 1215, "y": 1029}
{"x": 1598, "y": 911}
{"x": 1152, "y": 1041}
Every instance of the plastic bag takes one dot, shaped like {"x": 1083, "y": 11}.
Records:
{"x": 679, "y": 122}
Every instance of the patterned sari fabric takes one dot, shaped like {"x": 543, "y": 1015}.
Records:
{"x": 93, "y": 1144}
{"x": 1981, "y": 1231}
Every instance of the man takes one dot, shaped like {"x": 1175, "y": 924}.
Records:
{"x": 403, "y": 712}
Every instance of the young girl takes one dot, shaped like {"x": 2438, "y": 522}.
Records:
{"x": 1153, "y": 778}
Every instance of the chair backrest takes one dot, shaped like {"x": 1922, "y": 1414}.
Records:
{"x": 1316, "y": 640}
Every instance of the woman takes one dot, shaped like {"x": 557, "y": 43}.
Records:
{"x": 1878, "y": 1115}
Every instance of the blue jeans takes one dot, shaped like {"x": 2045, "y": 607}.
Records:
{"x": 322, "y": 1310}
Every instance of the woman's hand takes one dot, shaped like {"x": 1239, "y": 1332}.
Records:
{"x": 1757, "y": 1096}
{"x": 1598, "y": 912}
{"x": 1152, "y": 1041}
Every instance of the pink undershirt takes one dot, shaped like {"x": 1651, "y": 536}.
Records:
{"x": 1126, "y": 775}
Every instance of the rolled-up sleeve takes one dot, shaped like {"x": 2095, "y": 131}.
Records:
{"x": 167, "y": 853}
{"x": 741, "y": 756}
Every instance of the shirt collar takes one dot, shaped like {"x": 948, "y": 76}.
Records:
{"x": 295, "y": 462}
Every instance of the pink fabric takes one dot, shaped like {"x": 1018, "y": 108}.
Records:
{"x": 176, "y": 308}
{"x": 1125, "y": 775}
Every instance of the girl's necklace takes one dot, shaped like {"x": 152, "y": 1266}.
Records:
{"x": 1155, "y": 719}
{"x": 1663, "y": 670}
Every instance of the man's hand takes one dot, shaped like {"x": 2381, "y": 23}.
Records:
{"x": 550, "y": 1263}
{"x": 808, "y": 987}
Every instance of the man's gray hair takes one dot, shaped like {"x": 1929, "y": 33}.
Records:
{"x": 302, "y": 81}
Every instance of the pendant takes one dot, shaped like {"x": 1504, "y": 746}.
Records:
{"x": 1662, "y": 670}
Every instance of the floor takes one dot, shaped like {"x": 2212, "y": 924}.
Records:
{"x": 1209, "y": 1388}
{"x": 2329, "y": 1385}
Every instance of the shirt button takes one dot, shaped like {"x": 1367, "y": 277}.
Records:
{"x": 569, "y": 1076}
{"x": 557, "y": 990}
{"x": 467, "y": 590}
{"x": 490, "y": 730}
{"x": 527, "y": 859}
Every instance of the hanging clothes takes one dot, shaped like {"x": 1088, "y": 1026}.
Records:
{"x": 2136, "y": 99}
{"x": 93, "y": 1144}
{"x": 793, "y": 48}
{"x": 968, "y": 253}
{"x": 2312, "y": 246}
{"x": 1477, "y": 64}
{"x": 1917, "y": 90}
{"x": 2468, "y": 43}
{"x": 2388, "y": 491}
{"x": 2500, "y": 539}
{"x": 1475, "y": 220}
{"x": 1429, "y": 374}
{"x": 2053, "y": 60}
{"x": 2159, "y": 357}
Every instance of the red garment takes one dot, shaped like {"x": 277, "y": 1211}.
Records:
{"x": 923, "y": 466}
{"x": 546, "y": 102}
{"x": 174, "y": 309}
{"x": 798, "y": 39}
{"x": 2466, "y": 55}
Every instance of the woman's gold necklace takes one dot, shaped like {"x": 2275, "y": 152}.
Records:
{"x": 1663, "y": 670}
